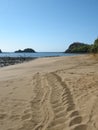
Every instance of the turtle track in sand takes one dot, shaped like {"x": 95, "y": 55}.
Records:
{"x": 53, "y": 106}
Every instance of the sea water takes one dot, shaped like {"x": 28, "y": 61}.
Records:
{"x": 35, "y": 55}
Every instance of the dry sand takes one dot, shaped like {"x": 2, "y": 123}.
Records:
{"x": 59, "y": 93}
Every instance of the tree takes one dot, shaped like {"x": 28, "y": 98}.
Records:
{"x": 95, "y": 46}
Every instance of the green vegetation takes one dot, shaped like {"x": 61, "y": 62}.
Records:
{"x": 78, "y": 47}
{"x": 94, "y": 48}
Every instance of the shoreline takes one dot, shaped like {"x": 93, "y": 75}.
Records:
{"x": 7, "y": 61}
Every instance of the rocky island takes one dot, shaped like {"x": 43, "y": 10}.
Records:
{"x": 27, "y": 50}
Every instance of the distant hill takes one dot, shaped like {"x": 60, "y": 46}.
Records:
{"x": 27, "y": 50}
{"x": 0, "y": 51}
{"x": 78, "y": 47}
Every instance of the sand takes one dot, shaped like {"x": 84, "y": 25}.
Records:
{"x": 57, "y": 93}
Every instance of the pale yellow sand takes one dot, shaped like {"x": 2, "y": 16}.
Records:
{"x": 58, "y": 93}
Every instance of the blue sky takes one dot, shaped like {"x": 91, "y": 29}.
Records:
{"x": 47, "y": 25}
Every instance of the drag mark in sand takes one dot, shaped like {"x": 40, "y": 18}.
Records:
{"x": 53, "y": 106}
{"x": 41, "y": 109}
{"x": 63, "y": 106}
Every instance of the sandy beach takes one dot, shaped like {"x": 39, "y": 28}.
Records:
{"x": 57, "y": 93}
